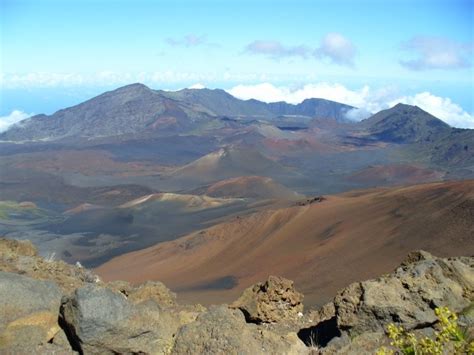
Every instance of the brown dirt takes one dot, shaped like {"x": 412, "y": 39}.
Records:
{"x": 396, "y": 174}
{"x": 322, "y": 247}
{"x": 250, "y": 186}
{"x": 87, "y": 162}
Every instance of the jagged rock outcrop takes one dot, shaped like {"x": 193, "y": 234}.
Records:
{"x": 274, "y": 300}
{"x": 408, "y": 296}
{"x": 224, "y": 331}
{"x": 150, "y": 290}
{"x": 101, "y": 321}
{"x": 21, "y": 257}
{"x": 356, "y": 321}
{"x": 28, "y": 311}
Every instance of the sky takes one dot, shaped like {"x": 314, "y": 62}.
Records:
{"x": 369, "y": 54}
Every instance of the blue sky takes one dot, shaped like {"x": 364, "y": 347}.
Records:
{"x": 366, "y": 53}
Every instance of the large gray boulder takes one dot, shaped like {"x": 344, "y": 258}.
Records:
{"x": 150, "y": 290}
{"x": 274, "y": 300}
{"x": 221, "y": 330}
{"x": 29, "y": 312}
{"x": 101, "y": 321}
{"x": 408, "y": 296}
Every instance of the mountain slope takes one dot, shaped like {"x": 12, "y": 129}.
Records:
{"x": 314, "y": 108}
{"x": 220, "y": 103}
{"x": 131, "y": 109}
{"x": 322, "y": 246}
{"x": 138, "y": 110}
{"x": 405, "y": 124}
{"x": 230, "y": 162}
{"x": 258, "y": 187}
{"x": 223, "y": 104}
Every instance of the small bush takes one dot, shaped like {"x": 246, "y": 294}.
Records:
{"x": 449, "y": 339}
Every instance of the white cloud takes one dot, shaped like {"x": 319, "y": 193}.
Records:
{"x": 14, "y": 117}
{"x": 337, "y": 48}
{"x": 334, "y": 46}
{"x": 276, "y": 50}
{"x": 190, "y": 40}
{"x": 366, "y": 100}
{"x": 437, "y": 53}
{"x": 197, "y": 86}
{"x": 358, "y": 114}
{"x": 270, "y": 93}
{"x": 104, "y": 78}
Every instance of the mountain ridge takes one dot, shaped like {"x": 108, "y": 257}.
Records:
{"x": 136, "y": 108}
{"x": 405, "y": 123}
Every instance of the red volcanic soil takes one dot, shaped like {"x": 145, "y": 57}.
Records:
{"x": 250, "y": 186}
{"x": 87, "y": 162}
{"x": 322, "y": 246}
{"x": 308, "y": 144}
{"x": 396, "y": 174}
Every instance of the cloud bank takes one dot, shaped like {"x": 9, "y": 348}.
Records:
{"x": 190, "y": 40}
{"x": 337, "y": 49}
{"x": 276, "y": 50}
{"x": 14, "y": 117}
{"x": 437, "y": 53}
{"x": 366, "y": 100}
{"x": 334, "y": 47}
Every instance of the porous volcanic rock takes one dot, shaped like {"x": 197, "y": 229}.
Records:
{"x": 16, "y": 247}
{"x": 28, "y": 311}
{"x": 150, "y": 290}
{"x": 357, "y": 319}
{"x": 221, "y": 330}
{"x": 20, "y": 257}
{"x": 274, "y": 300}
{"x": 408, "y": 296}
{"x": 102, "y": 321}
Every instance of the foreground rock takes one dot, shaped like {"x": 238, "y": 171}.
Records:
{"x": 56, "y": 308}
{"x": 224, "y": 331}
{"x": 28, "y": 312}
{"x": 100, "y": 321}
{"x": 359, "y": 315}
{"x": 150, "y": 290}
{"x": 408, "y": 296}
{"x": 21, "y": 257}
{"x": 274, "y": 300}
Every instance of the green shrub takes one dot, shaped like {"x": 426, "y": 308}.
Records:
{"x": 449, "y": 339}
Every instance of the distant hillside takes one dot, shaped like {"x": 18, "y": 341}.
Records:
{"x": 314, "y": 108}
{"x": 249, "y": 187}
{"x": 132, "y": 109}
{"x": 405, "y": 124}
{"x": 137, "y": 110}
{"x": 455, "y": 149}
{"x": 230, "y": 162}
{"x": 222, "y": 103}
{"x": 426, "y": 139}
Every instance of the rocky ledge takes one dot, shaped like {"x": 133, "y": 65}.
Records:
{"x": 51, "y": 307}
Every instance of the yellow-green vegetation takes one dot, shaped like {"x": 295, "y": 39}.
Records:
{"x": 7, "y": 208}
{"x": 450, "y": 338}
{"x": 26, "y": 213}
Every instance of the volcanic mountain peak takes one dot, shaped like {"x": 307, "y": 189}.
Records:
{"x": 133, "y": 87}
{"x": 132, "y": 90}
{"x": 405, "y": 124}
{"x": 228, "y": 162}
{"x": 134, "y": 109}
{"x": 192, "y": 202}
{"x": 251, "y": 186}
